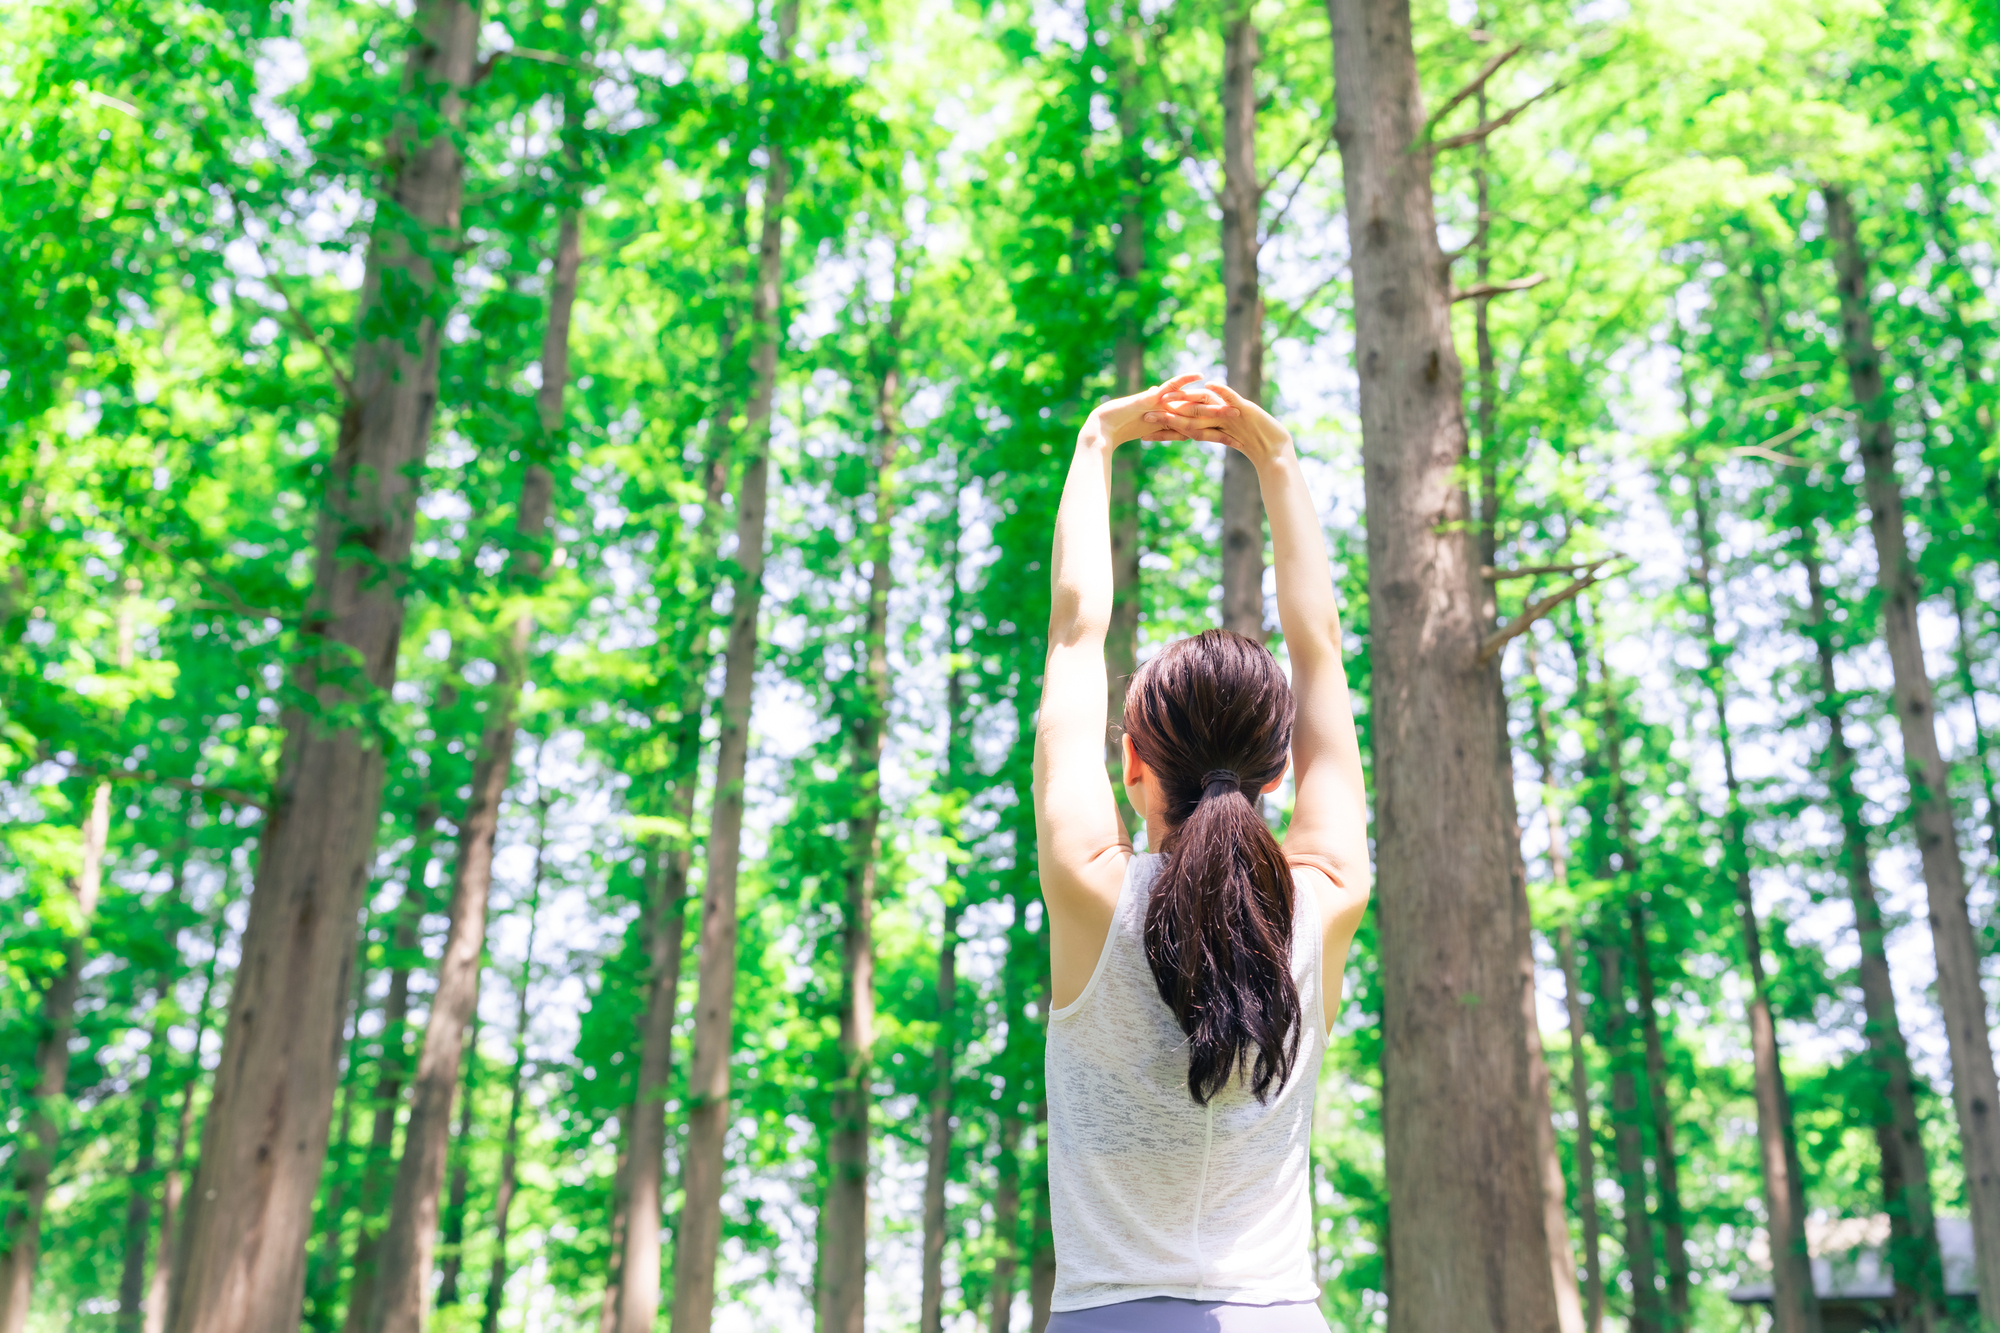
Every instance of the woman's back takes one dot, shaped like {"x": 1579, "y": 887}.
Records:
{"x": 1152, "y": 1193}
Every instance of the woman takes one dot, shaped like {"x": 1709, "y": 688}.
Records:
{"x": 1194, "y": 985}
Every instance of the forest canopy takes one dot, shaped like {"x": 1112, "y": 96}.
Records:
{"x": 524, "y": 544}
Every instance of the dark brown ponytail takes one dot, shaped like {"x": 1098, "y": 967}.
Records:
{"x": 1211, "y": 717}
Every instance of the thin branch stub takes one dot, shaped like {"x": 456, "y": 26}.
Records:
{"x": 1479, "y": 291}
{"x": 1537, "y": 610}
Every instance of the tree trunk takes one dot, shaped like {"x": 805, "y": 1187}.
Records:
{"x": 170, "y": 1187}
{"x": 1666, "y": 1160}
{"x": 1242, "y": 323}
{"x": 844, "y": 1260}
{"x": 632, "y": 1289}
{"x": 376, "y": 1171}
{"x": 1006, "y": 1224}
{"x": 402, "y": 1294}
{"x": 1905, "y": 1169}
{"x": 1128, "y": 357}
{"x": 1795, "y": 1302}
{"x": 1586, "y": 1147}
{"x": 699, "y": 1236}
{"x": 517, "y": 1083}
{"x": 35, "y": 1153}
{"x": 459, "y": 1189}
{"x": 242, "y": 1263}
{"x": 1591, "y": 1306}
{"x": 937, "y": 1168}
{"x": 1639, "y": 1259}
{"x": 1041, "y": 1236}
{"x": 145, "y": 1164}
{"x": 1975, "y": 1093}
{"x": 1467, "y": 1240}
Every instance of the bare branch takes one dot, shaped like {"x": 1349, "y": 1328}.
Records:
{"x": 208, "y": 575}
{"x": 1486, "y": 71}
{"x": 1535, "y": 571}
{"x": 296, "y": 317}
{"x": 1769, "y": 455}
{"x": 1536, "y": 610}
{"x": 233, "y": 795}
{"x": 1285, "y": 329}
{"x": 1479, "y": 291}
{"x": 1499, "y": 122}
{"x": 485, "y": 67}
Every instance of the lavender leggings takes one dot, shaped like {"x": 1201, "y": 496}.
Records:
{"x": 1168, "y": 1314}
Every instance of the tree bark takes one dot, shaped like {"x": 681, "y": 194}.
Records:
{"x": 517, "y": 1083}
{"x": 1666, "y": 1160}
{"x": 242, "y": 1264}
{"x": 1467, "y": 1240}
{"x": 170, "y": 1186}
{"x": 145, "y": 1165}
{"x": 1905, "y": 1168}
{"x": 1242, "y": 323}
{"x": 376, "y": 1171}
{"x": 937, "y": 1168}
{"x": 1592, "y": 1303}
{"x": 1975, "y": 1092}
{"x": 1647, "y": 1311}
{"x": 458, "y": 1191}
{"x": 1795, "y": 1302}
{"x": 1586, "y": 1147}
{"x": 1006, "y": 1225}
{"x": 699, "y": 1237}
{"x": 35, "y": 1155}
{"x": 844, "y": 1260}
{"x": 402, "y": 1295}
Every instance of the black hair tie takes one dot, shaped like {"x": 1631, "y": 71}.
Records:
{"x": 1218, "y": 781}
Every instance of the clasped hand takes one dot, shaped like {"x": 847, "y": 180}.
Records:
{"x": 1186, "y": 408}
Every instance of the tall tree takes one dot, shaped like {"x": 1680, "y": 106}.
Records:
{"x": 1905, "y": 1169}
{"x": 1467, "y": 1240}
{"x": 699, "y": 1237}
{"x": 1640, "y": 1259}
{"x": 517, "y": 1082}
{"x": 241, "y": 1266}
{"x": 844, "y": 1224}
{"x": 1666, "y": 1158}
{"x": 402, "y": 1294}
{"x": 1975, "y": 1091}
{"x": 36, "y": 1156}
{"x": 1795, "y": 1301}
{"x": 1242, "y": 320}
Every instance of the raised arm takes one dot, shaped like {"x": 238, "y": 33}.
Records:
{"x": 1329, "y": 828}
{"x": 1080, "y": 841}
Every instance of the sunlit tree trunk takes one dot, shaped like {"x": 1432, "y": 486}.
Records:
{"x": 1981, "y": 745}
{"x": 145, "y": 1165}
{"x": 1242, "y": 321}
{"x": 844, "y": 1230}
{"x": 1467, "y": 1241}
{"x": 1905, "y": 1168}
{"x": 1795, "y": 1303}
{"x": 1961, "y": 998}
{"x": 35, "y": 1153}
{"x": 409, "y": 1243}
{"x": 517, "y": 1084}
{"x": 242, "y": 1265}
{"x": 698, "y": 1239}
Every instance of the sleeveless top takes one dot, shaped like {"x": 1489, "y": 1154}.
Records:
{"x": 1151, "y": 1194}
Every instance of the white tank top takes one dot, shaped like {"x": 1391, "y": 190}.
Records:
{"x": 1151, "y": 1194}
